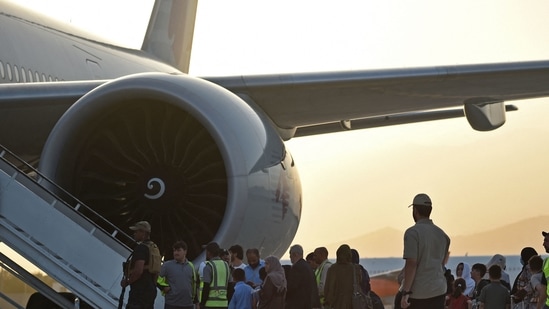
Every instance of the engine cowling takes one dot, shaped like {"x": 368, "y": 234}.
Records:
{"x": 186, "y": 155}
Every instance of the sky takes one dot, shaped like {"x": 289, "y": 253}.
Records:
{"x": 359, "y": 182}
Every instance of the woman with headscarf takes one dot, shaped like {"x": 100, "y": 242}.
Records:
{"x": 339, "y": 280}
{"x": 273, "y": 290}
{"x": 465, "y": 274}
{"x": 365, "y": 283}
{"x": 500, "y": 260}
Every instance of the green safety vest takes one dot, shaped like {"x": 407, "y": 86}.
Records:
{"x": 201, "y": 283}
{"x": 200, "y": 288}
{"x": 318, "y": 274}
{"x": 218, "y": 286}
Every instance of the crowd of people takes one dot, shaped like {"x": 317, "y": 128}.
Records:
{"x": 489, "y": 285}
{"x": 426, "y": 283}
{"x": 224, "y": 280}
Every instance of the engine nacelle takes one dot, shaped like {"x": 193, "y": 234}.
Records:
{"x": 186, "y": 155}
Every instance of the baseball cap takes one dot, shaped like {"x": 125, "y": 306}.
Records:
{"x": 421, "y": 199}
{"x": 544, "y": 234}
{"x": 141, "y": 226}
{"x": 212, "y": 247}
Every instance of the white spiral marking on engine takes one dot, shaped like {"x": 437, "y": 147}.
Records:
{"x": 150, "y": 186}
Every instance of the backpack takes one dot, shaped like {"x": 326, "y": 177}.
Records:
{"x": 377, "y": 303}
{"x": 155, "y": 259}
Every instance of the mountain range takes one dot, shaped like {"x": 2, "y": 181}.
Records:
{"x": 507, "y": 240}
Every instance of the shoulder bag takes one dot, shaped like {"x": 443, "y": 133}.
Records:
{"x": 360, "y": 300}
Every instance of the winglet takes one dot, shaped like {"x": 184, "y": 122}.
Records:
{"x": 169, "y": 35}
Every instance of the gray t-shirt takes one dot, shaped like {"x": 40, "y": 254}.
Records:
{"x": 180, "y": 279}
{"x": 495, "y": 296}
{"x": 428, "y": 244}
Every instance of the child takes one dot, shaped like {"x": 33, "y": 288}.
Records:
{"x": 458, "y": 300}
{"x": 495, "y": 295}
{"x": 242, "y": 297}
{"x": 257, "y": 290}
{"x": 538, "y": 289}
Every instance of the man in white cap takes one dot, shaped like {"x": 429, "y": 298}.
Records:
{"x": 425, "y": 251}
{"x": 139, "y": 278}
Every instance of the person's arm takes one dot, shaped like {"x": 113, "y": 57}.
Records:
{"x": 208, "y": 277}
{"x": 481, "y": 299}
{"x": 205, "y": 294}
{"x": 196, "y": 287}
{"x": 136, "y": 271}
{"x": 410, "y": 268}
{"x": 139, "y": 256}
{"x": 542, "y": 291}
{"x": 267, "y": 291}
{"x": 256, "y": 297}
{"x": 162, "y": 281}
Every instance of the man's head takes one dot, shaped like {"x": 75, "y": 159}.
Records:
{"x": 494, "y": 272}
{"x": 239, "y": 275}
{"x": 320, "y": 255}
{"x": 212, "y": 250}
{"x": 179, "y": 251}
{"x": 237, "y": 252}
{"x": 545, "y": 241}
{"x": 296, "y": 253}
{"x": 225, "y": 255}
{"x": 310, "y": 258}
{"x": 141, "y": 230}
{"x": 422, "y": 206}
{"x": 535, "y": 263}
{"x": 252, "y": 255}
{"x": 478, "y": 271}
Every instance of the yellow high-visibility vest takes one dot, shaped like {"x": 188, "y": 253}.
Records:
{"x": 318, "y": 274}
{"x": 218, "y": 286}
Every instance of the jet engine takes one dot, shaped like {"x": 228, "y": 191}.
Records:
{"x": 187, "y": 155}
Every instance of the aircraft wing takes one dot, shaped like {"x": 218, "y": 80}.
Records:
{"x": 312, "y": 103}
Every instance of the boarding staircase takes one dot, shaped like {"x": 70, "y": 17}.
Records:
{"x": 52, "y": 230}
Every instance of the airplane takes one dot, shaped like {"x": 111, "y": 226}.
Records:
{"x": 135, "y": 137}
